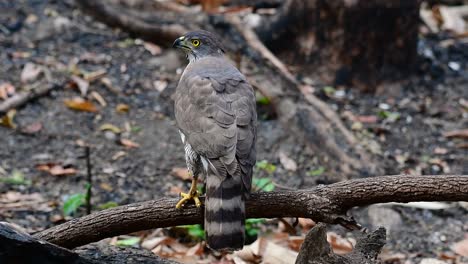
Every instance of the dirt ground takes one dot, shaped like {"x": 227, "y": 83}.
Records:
{"x": 402, "y": 124}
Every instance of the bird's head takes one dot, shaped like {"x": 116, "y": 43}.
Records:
{"x": 199, "y": 44}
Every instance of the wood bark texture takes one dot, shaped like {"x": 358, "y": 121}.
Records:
{"x": 327, "y": 203}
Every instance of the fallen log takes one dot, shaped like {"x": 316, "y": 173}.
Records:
{"x": 16, "y": 246}
{"x": 325, "y": 203}
{"x": 316, "y": 250}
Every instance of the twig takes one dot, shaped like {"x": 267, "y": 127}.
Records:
{"x": 89, "y": 180}
{"x": 22, "y": 98}
{"x": 327, "y": 204}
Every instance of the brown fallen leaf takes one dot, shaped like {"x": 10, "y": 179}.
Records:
{"x": 122, "y": 108}
{"x": 306, "y": 224}
{"x": 8, "y": 119}
{"x": 56, "y": 170}
{"x": 181, "y": 173}
{"x": 6, "y": 90}
{"x": 128, "y": 143}
{"x": 461, "y": 247}
{"x": 80, "y": 104}
{"x": 295, "y": 242}
{"x": 462, "y": 133}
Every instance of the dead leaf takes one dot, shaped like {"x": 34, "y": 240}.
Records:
{"x": 122, "y": 108}
{"x": 274, "y": 253}
{"x": 447, "y": 256}
{"x": 30, "y": 72}
{"x": 211, "y": 6}
{"x": 108, "y": 83}
{"x": 106, "y": 187}
{"x": 118, "y": 155}
{"x": 95, "y": 75}
{"x": 81, "y": 84}
{"x": 11, "y": 201}
{"x": 175, "y": 190}
{"x": 453, "y": 18}
{"x": 367, "y": 119}
{"x": 181, "y": 173}
{"x": 431, "y": 261}
{"x": 128, "y": 143}
{"x": 160, "y": 85}
{"x": 6, "y": 90}
{"x": 339, "y": 244}
{"x": 196, "y": 250}
{"x": 287, "y": 162}
{"x": 110, "y": 127}
{"x": 8, "y": 119}
{"x": 461, "y": 247}
{"x": 56, "y": 169}
{"x": 99, "y": 98}
{"x": 20, "y": 55}
{"x": 440, "y": 151}
{"x": 295, "y": 242}
{"x": 462, "y": 133}
{"x": 306, "y": 223}
{"x": 389, "y": 257}
{"x": 56, "y": 218}
{"x": 80, "y": 104}
{"x": 151, "y": 243}
{"x": 152, "y": 48}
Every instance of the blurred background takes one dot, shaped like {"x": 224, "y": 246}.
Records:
{"x": 345, "y": 89}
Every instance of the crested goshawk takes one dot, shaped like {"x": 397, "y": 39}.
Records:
{"x": 216, "y": 116}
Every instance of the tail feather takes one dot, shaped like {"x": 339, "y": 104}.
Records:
{"x": 224, "y": 212}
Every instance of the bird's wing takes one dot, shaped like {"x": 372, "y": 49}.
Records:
{"x": 215, "y": 109}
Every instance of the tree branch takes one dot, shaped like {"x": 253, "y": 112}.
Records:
{"x": 23, "y": 97}
{"x": 327, "y": 204}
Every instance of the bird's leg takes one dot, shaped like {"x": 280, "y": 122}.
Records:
{"x": 192, "y": 194}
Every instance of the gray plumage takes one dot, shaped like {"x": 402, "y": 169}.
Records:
{"x": 216, "y": 116}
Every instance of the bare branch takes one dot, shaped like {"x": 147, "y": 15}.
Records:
{"x": 22, "y": 98}
{"x": 327, "y": 204}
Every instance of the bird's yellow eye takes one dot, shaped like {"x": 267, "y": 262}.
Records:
{"x": 195, "y": 42}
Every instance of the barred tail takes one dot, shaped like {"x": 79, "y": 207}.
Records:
{"x": 224, "y": 212}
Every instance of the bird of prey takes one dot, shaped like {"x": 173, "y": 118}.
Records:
{"x": 216, "y": 116}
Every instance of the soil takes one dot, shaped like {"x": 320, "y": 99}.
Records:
{"x": 59, "y": 38}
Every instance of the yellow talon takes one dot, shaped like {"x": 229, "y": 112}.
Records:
{"x": 191, "y": 195}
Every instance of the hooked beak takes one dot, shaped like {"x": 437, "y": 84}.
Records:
{"x": 179, "y": 42}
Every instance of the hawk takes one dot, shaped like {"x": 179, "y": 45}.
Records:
{"x": 216, "y": 116}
